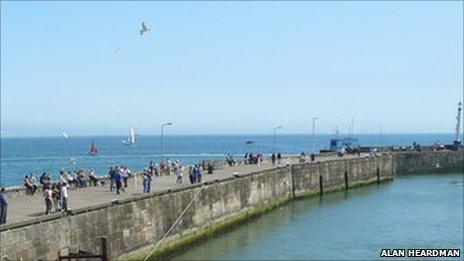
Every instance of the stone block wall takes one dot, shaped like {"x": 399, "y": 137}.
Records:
{"x": 426, "y": 162}
{"x": 134, "y": 223}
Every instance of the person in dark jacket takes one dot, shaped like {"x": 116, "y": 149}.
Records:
{"x": 3, "y": 206}
{"x": 198, "y": 174}
{"x": 118, "y": 180}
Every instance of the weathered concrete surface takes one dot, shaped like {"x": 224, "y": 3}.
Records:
{"x": 135, "y": 224}
{"x": 421, "y": 162}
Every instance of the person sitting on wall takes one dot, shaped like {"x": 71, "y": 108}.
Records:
{"x": 29, "y": 186}
{"x": 93, "y": 178}
{"x": 313, "y": 157}
{"x": 302, "y": 157}
{"x": 210, "y": 168}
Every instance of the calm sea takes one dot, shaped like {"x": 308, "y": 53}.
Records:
{"x": 414, "y": 211}
{"x": 20, "y": 156}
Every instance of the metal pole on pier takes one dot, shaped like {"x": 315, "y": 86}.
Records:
{"x": 312, "y": 135}
{"x": 274, "y": 138}
{"x": 162, "y": 137}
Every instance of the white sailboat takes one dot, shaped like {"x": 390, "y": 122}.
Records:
{"x": 131, "y": 139}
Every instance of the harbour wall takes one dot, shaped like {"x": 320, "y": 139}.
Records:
{"x": 427, "y": 161}
{"x": 134, "y": 226}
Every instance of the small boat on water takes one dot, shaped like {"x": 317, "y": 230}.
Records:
{"x": 93, "y": 149}
{"x": 249, "y": 142}
{"x": 131, "y": 139}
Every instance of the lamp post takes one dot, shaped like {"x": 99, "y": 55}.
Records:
{"x": 312, "y": 135}
{"x": 274, "y": 138}
{"x": 162, "y": 136}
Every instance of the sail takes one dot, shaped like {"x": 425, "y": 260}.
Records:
{"x": 93, "y": 148}
{"x": 132, "y": 136}
{"x": 131, "y": 139}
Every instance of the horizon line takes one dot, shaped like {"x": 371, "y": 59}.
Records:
{"x": 230, "y": 134}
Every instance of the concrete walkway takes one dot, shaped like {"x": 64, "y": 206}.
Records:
{"x": 29, "y": 207}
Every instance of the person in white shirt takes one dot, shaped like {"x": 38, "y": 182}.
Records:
{"x": 64, "y": 197}
{"x": 179, "y": 175}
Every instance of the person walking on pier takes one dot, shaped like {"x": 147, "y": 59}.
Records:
{"x": 118, "y": 180}
{"x": 157, "y": 170}
{"x": 147, "y": 181}
{"x": 3, "y": 206}
{"x": 64, "y": 197}
{"x": 125, "y": 175}
{"x": 111, "y": 176}
{"x": 179, "y": 175}
{"x": 279, "y": 158}
{"x": 56, "y": 197}
{"x": 198, "y": 174}
{"x": 192, "y": 174}
{"x": 273, "y": 158}
{"x": 47, "y": 194}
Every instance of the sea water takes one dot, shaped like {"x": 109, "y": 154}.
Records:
{"x": 414, "y": 211}
{"x": 21, "y": 156}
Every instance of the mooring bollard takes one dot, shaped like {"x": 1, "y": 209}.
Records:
{"x": 346, "y": 180}
{"x": 104, "y": 248}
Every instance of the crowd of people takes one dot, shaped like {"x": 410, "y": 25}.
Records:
{"x": 249, "y": 158}
{"x": 118, "y": 176}
{"x": 275, "y": 157}
{"x": 55, "y": 191}
{"x": 173, "y": 168}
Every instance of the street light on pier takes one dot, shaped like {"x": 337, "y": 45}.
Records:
{"x": 313, "y": 132}
{"x": 274, "y": 138}
{"x": 162, "y": 136}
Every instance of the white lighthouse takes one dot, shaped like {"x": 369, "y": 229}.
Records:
{"x": 457, "y": 138}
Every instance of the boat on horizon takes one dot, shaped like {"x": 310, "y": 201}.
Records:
{"x": 93, "y": 149}
{"x": 131, "y": 139}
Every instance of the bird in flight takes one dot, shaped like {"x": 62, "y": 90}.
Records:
{"x": 144, "y": 29}
{"x": 118, "y": 50}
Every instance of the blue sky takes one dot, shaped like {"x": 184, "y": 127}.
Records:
{"x": 229, "y": 67}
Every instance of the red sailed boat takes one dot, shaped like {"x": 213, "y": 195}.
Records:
{"x": 93, "y": 149}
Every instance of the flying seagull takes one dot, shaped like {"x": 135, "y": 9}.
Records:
{"x": 144, "y": 29}
{"x": 118, "y": 50}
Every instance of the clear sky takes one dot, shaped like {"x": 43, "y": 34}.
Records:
{"x": 229, "y": 67}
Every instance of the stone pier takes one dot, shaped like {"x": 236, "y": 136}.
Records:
{"x": 135, "y": 223}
